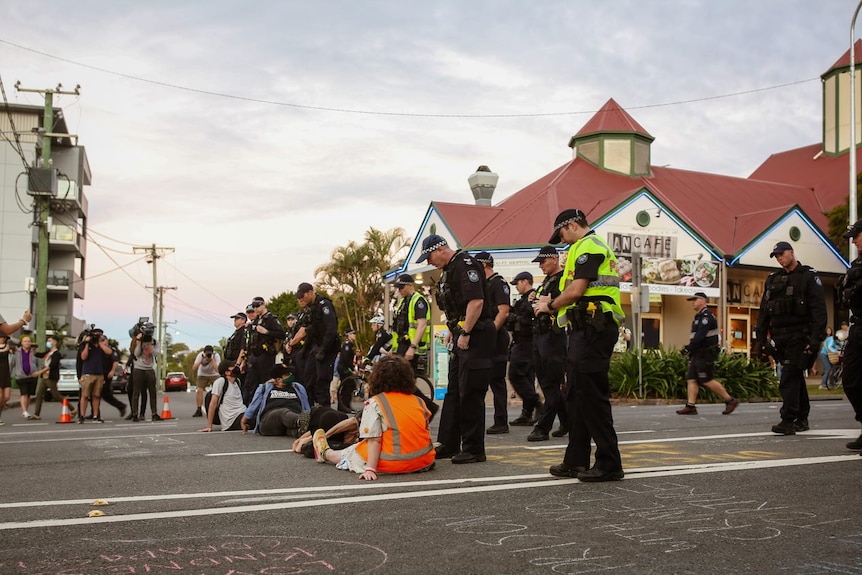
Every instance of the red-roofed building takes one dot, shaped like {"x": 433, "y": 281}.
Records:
{"x": 717, "y": 230}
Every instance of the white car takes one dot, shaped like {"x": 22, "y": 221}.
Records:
{"x": 68, "y": 382}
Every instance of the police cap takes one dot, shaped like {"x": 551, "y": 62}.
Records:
{"x": 522, "y": 276}
{"x": 565, "y": 218}
{"x": 430, "y": 244}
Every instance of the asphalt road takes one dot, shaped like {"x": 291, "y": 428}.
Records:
{"x": 702, "y": 494}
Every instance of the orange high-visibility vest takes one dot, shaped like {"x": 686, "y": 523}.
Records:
{"x": 406, "y": 446}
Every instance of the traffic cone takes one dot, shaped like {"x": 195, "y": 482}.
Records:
{"x": 166, "y": 410}
{"x": 65, "y": 416}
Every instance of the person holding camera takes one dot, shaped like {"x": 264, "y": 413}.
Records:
{"x": 206, "y": 370}
{"x": 144, "y": 350}
{"x": 93, "y": 350}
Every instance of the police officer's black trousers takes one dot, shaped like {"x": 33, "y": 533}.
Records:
{"x": 522, "y": 376}
{"x": 109, "y": 397}
{"x": 499, "y": 391}
{"x": 852, "y": 378}
{"x": 462, "y": 418}
{"x": 549, "y": 360}
{"x": 319, "y": 374}
{"x": 794, "y": 391}
{"x": 257, "y": 372}
{"x": 589, "y": 407}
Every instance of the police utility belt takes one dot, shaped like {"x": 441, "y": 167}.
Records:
{"x": 588, "y": 314}
{"x": 456, "y": 327}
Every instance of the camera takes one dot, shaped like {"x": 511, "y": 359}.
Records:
{"x": 143, "y": 327}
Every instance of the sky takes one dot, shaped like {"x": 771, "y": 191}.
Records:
{"x": 255, "y": 138}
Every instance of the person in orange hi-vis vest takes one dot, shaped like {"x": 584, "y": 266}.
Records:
{"x": 394, "y": 430}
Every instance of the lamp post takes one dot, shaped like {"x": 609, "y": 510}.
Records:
{"x": 852, "y": 150}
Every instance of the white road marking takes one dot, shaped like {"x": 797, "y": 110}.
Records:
{"x": 640, "y": 473}
{"x": 813, "y": 434}
{"x": 248, "y": 452}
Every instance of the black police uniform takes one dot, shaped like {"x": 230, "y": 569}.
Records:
{"x": 498, "y": 290}
{"x": 382, "y": 341}
{"x": 522, "y": 373}
{"x": 462, "y": 418}
{"x": 850, "y": 297}
{"x": 549, "y": 359}
{"x": 793, "y": 315}
{"x": 346, "y": 357}
{"x": 261, "y": 353}
{"x": 299, "y": 351}
{"x": 235, "y": 344}
{"x": 322, "y": 343}
{"x": 703, "y": 347}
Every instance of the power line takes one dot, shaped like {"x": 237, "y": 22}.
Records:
{"x": 199, "y": 285}
{"x": 384, "y": 113}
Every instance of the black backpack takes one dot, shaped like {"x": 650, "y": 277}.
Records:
{"x": 208, "y": 399}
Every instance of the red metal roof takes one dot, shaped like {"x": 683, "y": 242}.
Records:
{"x": 611, "y": 118}
{"x": 844, "y": 61}
{"x": 829, "y": 176}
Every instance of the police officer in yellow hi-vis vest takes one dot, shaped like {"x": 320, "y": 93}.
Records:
{"x": 589, "y": 308}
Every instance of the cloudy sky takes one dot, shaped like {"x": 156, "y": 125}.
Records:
{"x": 253, "y": 138}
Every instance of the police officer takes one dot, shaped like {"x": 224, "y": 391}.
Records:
{"x": 411, "y": 331}
{"x": 347, "y": 355}
{"x": 522, "y": 374}
{"x": 264, "y": 332}
{"x": 850, "y": 297}
{"x": 589, "y": 307}
{"x": 321, "y": 340}
{"x": 461, "y": 294}
{"x": 236, "y": 342}
{"x": 295, "y": 347}
{"x": 793, "y": 316}
{"x": 498, "y": 290}
{"x": 702, "y": 350}
{"x": 549, "y": 351}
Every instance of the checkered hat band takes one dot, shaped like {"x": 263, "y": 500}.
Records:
{"x": 430, "y": 249}
{"x": 564, "y": 223}
{"x": 546, "y": 256}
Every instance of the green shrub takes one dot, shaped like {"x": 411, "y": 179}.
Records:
{"x": 664, "y": 376}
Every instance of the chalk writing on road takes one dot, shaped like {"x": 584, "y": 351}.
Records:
{"x": 603, "y": 529}
{"x": 224, "y": 555}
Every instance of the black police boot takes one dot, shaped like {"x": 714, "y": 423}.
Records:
{"x": 855, "y": 444}
{"x": 523, "y": 419}
{"x": 786, "y": 427}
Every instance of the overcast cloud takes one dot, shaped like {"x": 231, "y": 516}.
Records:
{"x": 254, "y": 195}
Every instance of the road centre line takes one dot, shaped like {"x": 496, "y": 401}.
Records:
{"x": 632, "y": 474}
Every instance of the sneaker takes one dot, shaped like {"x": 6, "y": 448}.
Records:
{"x": 98, "y": 419}
{"x": 131, "y": 417}
{"x": 198, "y": 413}
{"x": 80, "y": 419}
{"x": 801, "y": 425}
{"x": 497, "y": 429}
{"x": 321, "y": 446}
{"x": 856, "y": 444}
{"x": 135, "y": 419}
{"x": 157, "y": 417}
{"x": 1, "y": 422}
{"x": 123, "y": 411}
{"x": 26, "y": 414}
{"x": 786, "y": 427}
{"x": 302, "y": 422}
{"x": 730, "y": 405}
{"x": 687, "y": 410}
{"x": 823, "y": 387}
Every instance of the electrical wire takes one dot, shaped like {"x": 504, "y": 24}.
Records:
{"x": 218, "y": 297}
{"x": 384, "y": 113}
{"x": 17, "y": 145}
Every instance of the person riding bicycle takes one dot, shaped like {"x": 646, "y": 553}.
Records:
{"x": 382, "y": 340}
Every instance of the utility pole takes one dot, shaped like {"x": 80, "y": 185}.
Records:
{"x": 153, "y": 252}
{"x": 43, "y": 186}
{"x": 161, "y": 328}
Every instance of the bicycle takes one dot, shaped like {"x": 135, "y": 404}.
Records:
{"x": 833, "y": 381}
{"x": 353, "y": 390}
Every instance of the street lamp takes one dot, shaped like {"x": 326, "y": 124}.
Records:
{"x": 852, "y": 151}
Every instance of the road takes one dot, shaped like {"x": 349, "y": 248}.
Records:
{"x": 702, "y": 494}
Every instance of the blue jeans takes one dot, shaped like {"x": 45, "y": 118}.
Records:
{"x": 827, "y": 367}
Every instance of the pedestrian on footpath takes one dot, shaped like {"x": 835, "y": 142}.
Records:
{"x": 50, "y": 375}
{"x": 790, "y": 327}
{"x": 702, "y": 351}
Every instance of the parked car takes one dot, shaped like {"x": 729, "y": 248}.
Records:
{"x": 68, "y": 382}
{"x": 120, "y": 382}
{"x": 176, "y": 381}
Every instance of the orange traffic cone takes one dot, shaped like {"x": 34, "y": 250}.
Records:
{"x": 65, "y": 415}
{"x": 166, "y": 410}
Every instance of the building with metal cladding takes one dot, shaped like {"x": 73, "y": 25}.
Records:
{"x": 20, "y": 126}
{"x": 674, "y": 231}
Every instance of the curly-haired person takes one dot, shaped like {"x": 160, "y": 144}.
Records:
{"x": 394, "y": 430}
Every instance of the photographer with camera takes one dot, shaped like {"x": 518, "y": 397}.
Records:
{"x": 93, "y": 349}
{"x": 144, "y": 350}
{"x": 206, "y": 372}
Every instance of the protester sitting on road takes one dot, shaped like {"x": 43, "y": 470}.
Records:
{"x": 394, "y": 428}
{"x": 279, "y": 406}
{"x": 226, "y": 399}
{"x": 341, "y": 429}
